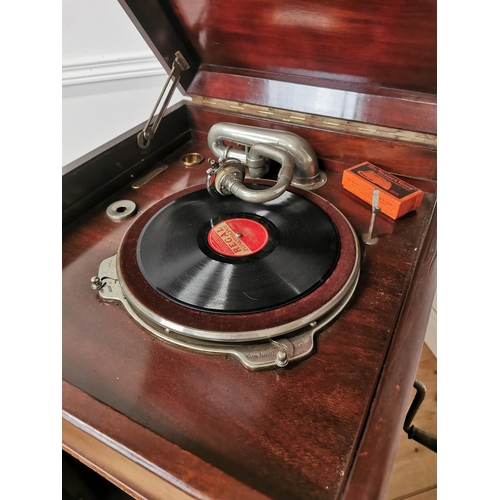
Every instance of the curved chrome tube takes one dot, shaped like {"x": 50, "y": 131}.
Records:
{"x": 306, "y": 173}
{"x": 285, "y": 175}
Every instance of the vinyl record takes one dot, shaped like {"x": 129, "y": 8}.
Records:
{"x": 229, "y": 256}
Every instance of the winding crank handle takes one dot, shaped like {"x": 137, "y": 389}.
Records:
{"x": 425, "y": 438}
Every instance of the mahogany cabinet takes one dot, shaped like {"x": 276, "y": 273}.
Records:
{"x": 357, "y": 82}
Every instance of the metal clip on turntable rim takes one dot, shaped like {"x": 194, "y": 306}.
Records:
{"x": 254, "y": 355}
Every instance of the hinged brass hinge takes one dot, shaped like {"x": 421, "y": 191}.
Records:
{"x": 317, "y": 121}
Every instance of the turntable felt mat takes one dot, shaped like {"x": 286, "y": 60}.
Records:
{"x": 287, "y": 433}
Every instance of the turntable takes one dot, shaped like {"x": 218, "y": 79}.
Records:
{"x": 227, "y": 333}
{"x": 248, "y": 270}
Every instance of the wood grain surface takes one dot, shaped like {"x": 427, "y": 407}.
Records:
{"x": 289, "y": 433}
{"x": 368, "y": 62}
{"x": 389, "y": 406}
{"x": 338, "y": 149}
{"x": 115, "y": 467}
{"x": 391, "y": 43}
{"x": 414, "y": 113}
{"x": 328, "y": 426}
{"x": 116, "y": 447}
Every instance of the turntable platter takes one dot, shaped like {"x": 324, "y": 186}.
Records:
{"x": 175, "y": 278}
{"x": 229, "y": 256}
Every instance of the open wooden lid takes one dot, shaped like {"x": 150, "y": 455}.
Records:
{"x": 371, "y": 62}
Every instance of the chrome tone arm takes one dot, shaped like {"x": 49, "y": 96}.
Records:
{"x": 227, "y": 177}
{"x": 306, "y": 173}
{"x": 284, "y": 176}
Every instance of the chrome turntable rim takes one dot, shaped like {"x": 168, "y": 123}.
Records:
{"x": 242, "y": 336}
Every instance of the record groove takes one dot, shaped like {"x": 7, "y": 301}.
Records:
{"x": 177, "y": 252}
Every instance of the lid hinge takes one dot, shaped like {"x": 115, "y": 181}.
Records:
{"x": 145, "y": 136}
{"x": 317, "y": 121}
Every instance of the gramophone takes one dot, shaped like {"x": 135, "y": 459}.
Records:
{"x": 227, "y": 332}
{"x": 268, "y": 267}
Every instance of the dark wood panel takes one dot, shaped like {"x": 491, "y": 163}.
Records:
{"x": 408, "y": 114}
{"x": 362, "y": 87}
{"x": 81, "y": 482}
{"x": 136, "y": 445}
{"x": 347, "y": 150}
{"x": 389, "y": 43}
{"x": 374, "y": 461}
{"x": 371, "y": 63}
{"x": 290, "y": 433}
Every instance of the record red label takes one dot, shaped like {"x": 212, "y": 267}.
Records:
{"x": 238, "y": 237}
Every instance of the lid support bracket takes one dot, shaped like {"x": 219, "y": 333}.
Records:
{"x": 145, "y": 136}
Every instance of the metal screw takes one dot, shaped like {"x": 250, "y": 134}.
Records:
{"x": 281, "y": 358}
{"x": 96, "y": 283}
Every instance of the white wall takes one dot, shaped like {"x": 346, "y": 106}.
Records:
{"x": 110, "y": 77}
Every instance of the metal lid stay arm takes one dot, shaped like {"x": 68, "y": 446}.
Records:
{"x": 145, "y": 136}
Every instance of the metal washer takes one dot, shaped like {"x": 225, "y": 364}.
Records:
{"x": 122, "y": 209}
